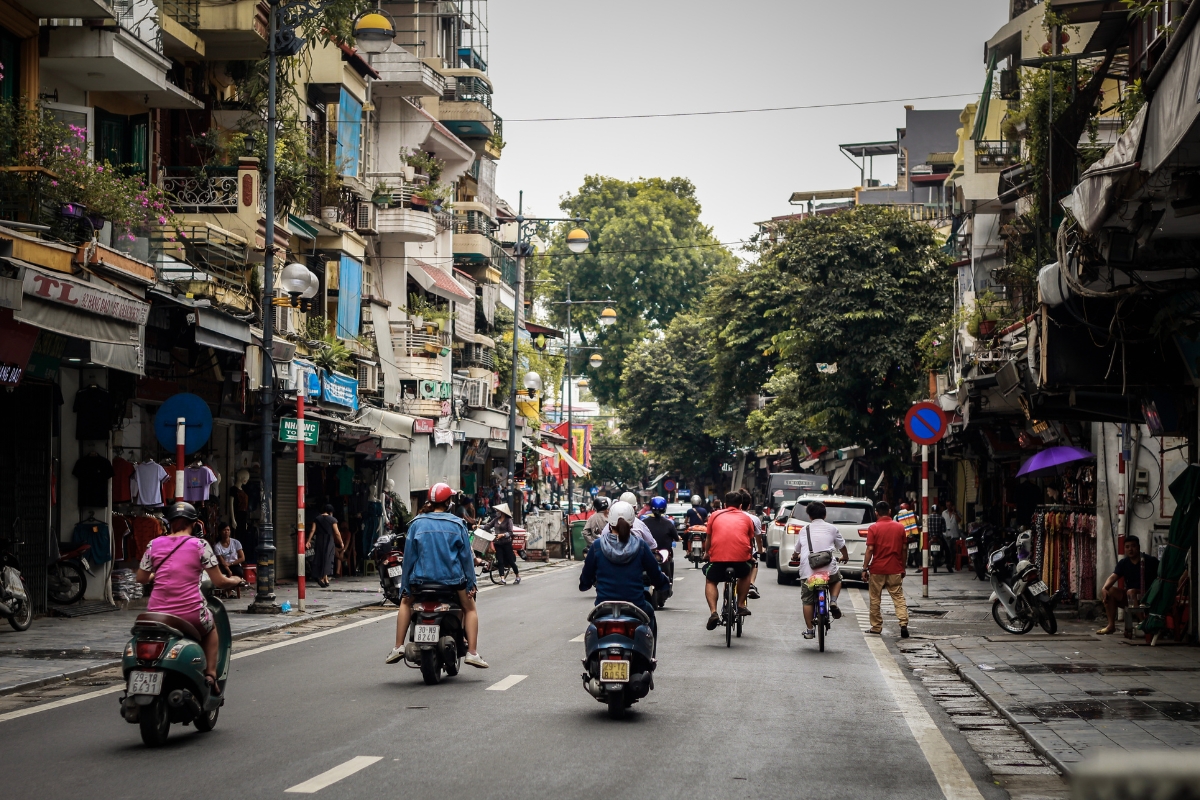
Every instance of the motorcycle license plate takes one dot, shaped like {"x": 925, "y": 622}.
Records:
{"x": 1037, "y": 587}
{"x": 426, "y": 634}
{"x": 912, "y": 546}
{"x": 614, "y": 672}
{"x": 972, "y": 551}
{"x": 394, "y": 572}
{"x": 935, "y": 548}
{"x": 145, "y": 682}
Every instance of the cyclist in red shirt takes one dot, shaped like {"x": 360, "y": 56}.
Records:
{"x": 729, "y": 544}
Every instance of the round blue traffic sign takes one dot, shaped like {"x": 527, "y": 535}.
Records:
{"x": 199, "y": 421}
{"x": 925, "y": 423}
{"x": 668, "y": 485}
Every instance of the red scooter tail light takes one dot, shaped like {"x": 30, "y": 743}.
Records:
{"x": 150, "y": 650}
{"x": 615, "y": 628}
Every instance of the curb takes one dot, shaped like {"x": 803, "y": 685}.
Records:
{"x": 977, "y": 685}
{"x": 83, "y": 672}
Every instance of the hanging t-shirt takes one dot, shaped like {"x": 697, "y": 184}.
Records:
{"x": 168, "y": 485}
{"x": 93, "y": 471}
{"x": 196, "y": 483}
{"x": 345, "y": 477}
{"x": 93, "y": 413}
{"x": 146, "y": 484}
{"x": 94, "y": 533}
{"x": 122, "y": 471}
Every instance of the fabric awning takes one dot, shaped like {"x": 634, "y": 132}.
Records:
{"x": 1174, "y": 109}
{"x": 579, "y": 469}
{"x": 1092, "y": 199}
{"x": 434, "y": 281}
{"x": 529, "y": 443}
{"x": 302, "y": 228}
{"x": 810, "y": 463}
{"x": 839, "y": 475}
{"x": 386, "y": 423}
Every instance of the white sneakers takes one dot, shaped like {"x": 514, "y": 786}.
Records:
{"x": 394, "y": 656}
{"x": 475, "y": 661}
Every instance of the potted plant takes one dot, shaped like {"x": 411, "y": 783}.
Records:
{"x": 383, "y": 195}
{"x": 419, "y": 201}
{"x": 329, "y": 191}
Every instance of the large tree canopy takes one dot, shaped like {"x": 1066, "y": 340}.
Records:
{"x": 649, "y": 253}
{"x": 857, "y": 289}
{"x": 660, "y": 406}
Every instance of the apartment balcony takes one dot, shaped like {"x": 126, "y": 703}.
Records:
{"x": 214, "y": 192}
{"x": 402, "y": 74}
{"x": 467, "y": 119}
{"x": 405, "y": 224}
{"x": 236, "y": 30}
{"x": 111, "y": 59}
{"x": 419, "y": 354}
{"x": 204, "y": 260}
{"x": 996, "y": 156}
{"x": 69, "y": 9}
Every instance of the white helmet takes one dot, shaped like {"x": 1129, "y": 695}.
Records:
{"x": 629, "y": 497}
{"x": 620, "y": 510}
{"x": 696, "y": 500}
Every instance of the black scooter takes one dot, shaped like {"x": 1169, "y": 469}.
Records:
{"x": 618, "y": 656}
{"x": 388, "y": 555}
{"x": 437, "y": 640}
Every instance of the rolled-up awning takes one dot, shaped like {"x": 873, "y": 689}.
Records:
{"x": 529, "y": 443}
{"x": 386, "y": 423}
{"x": 579, "y": 469}
{"x": 435, "y": 281}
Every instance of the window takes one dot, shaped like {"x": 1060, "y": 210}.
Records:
{"x": 79, "y": 116}
{"x": 349, "y": 134}
{"x": 844, "y": 514}
{"x": 10, "y": 61}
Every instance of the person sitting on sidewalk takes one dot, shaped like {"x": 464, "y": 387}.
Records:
{"x": 1138, "y": 571}
{"x": 883, "y": 566}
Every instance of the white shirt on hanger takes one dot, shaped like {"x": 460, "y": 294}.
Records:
{"x": 145, "y": 484}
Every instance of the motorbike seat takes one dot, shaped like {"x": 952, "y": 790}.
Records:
{"x": 430, "y": 590}
{"x": 618, "y": 608}
{"x": 75, "y": 553}
{"x": 178, "y": 623}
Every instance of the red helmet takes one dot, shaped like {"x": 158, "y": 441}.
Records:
{"x": 440, "y": 493}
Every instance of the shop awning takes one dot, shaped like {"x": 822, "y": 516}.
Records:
{"x": 302, "y": 228}
{"x": 839, "y": 474}
{"x": 434, "y": 281}
{"x": 386, "y": 423}
{"x": 529, "y": 443}
{"x": 474, "y": 430}
{"x": 1173, "y": 110}
{"x": 118, "y": 317}
{"x": 579, "y": 469}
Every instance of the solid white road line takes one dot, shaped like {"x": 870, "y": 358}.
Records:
{"x": 66, "y": 701}
{"x": 579, "y": 638}
{"x": 507, "y": 683}
{"x": 334, "y": 775}
{"x": 952, "y": 776}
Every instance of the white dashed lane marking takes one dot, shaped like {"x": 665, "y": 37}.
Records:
{"x": 507, "y": 683}
{"x": 334, "y": 775}
{"x": 579, "y": 638}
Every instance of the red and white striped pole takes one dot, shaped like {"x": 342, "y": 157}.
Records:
{"x": 180, "y": 456}
{"x": 300, "y": 525}
{"x": 924, "y": 520}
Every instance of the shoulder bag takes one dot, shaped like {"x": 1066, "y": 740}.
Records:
{"x": 816, "y": 560}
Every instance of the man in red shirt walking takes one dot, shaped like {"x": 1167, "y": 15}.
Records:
{"x": 887, "y": 545}
{"x": 729, "y": 544}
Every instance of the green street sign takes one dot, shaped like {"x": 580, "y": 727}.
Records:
{"x": 289, "y": 430}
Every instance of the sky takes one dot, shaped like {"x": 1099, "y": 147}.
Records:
{"x": 570, "y": 58}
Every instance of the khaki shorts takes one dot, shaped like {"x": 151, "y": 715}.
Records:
{"x": 808, "y": 597}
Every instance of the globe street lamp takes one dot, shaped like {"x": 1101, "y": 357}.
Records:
{"x": 596, "y": 360}
{"x": 374, "y": 31}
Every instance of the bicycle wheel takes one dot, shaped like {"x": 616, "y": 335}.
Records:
{"x": 497, "y": 573}
{"x": 730, "y": 614}
{"x": 821, "y": 634}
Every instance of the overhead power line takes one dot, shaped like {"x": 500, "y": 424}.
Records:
{"x": 744, "y": 110}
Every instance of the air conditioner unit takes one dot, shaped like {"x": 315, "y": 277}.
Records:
{"x": 283, "y": 315}
{"x": 364, "y": 218}
{"x": 476, "y": 392}
{"x": 368, "y": 378}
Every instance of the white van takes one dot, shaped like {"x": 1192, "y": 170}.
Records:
{"x": 850, "y": 515}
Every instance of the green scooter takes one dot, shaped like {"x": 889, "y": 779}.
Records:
{"x": 164, "y": 672}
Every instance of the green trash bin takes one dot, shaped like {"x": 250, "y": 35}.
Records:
{"x": 578, "y": 544}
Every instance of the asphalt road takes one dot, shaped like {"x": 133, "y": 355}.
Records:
{"x": 769, "y": 717}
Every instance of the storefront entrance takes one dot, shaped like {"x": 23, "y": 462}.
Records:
{"x": 25, "y": 479}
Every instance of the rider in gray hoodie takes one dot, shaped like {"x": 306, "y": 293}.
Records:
{"x": 616, "y": 564}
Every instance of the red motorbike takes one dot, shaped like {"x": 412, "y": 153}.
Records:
{"x": 66, "y": 578}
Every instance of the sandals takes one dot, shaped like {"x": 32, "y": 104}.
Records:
{"x": 214, "y": 687}
{"x": 713, "y": 621}
{"x": 1106, "y": 631}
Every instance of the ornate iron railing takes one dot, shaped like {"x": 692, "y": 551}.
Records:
{"x": 193, "y": 192}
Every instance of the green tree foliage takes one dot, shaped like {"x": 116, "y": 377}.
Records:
{"x": 859, "y": 289}
{"x": 649, "y": 253}
{"x": 660, "y": 400}
{"x": 615, "y": 458}
{"x": 548, "y": 365}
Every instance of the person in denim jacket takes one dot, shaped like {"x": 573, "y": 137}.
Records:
{"x": 438, "y": 550}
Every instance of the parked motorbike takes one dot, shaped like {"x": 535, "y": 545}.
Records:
{"x": 164, "y": 672}
{"x": 914, "y": 549}
{"x": 437, "y": 640}
{"x": 619, "y": 656}
{"x": 15, "y": 604}
{"x": 66, "y": 580}
{"x": 388, "y": 555}
{"x": 975, "y": 554}
{"x": 658, "y": 597}
{"x": 939, "y": 551}
{"x": 1020, "y": 599}
{"x": 694, "y": 538}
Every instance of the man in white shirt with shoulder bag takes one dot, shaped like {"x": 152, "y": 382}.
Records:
{"x": 815, "y": 546}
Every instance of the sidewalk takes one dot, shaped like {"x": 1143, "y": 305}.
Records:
{"x": 1072, "y": 693}
{"x": 55, "y": 648}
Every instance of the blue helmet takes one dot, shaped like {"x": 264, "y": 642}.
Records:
{"x": 658, "y": 504}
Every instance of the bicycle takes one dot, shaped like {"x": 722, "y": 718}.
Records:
{"x": 819, "y": 584}
{"x": 730, "y": 617}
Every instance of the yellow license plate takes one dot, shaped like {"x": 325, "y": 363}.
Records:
{"x": 614, "y": 672}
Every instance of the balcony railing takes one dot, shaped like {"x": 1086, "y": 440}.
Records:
{"x": 200, "y": 253}
{"x": 474, "y": 222}
{"x": 413, "y": 342}
{"x": 468, "y": 89}
{"x": 922, "y": 212}
{"x": 215, "y": 190}
{"x": 185, "y": 12}
{"x": 995, "y": 155}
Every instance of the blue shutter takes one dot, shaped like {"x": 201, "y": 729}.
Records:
{"x": 349, "y": 297}
{"x": 349, "y": 135}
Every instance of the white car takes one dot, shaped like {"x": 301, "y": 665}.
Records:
{"x": 850, "y": 515}
{"x": 775, "y": 531}
{"x": 678, "y": 513}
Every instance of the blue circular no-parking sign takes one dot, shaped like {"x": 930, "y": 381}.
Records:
{"x": 925, "y": 423}
{"x": 199, "y": 421}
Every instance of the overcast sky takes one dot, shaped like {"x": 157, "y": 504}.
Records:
{"x": 571, "y": 58}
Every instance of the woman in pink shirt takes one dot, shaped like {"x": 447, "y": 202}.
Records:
{"x": 174, "y": 562}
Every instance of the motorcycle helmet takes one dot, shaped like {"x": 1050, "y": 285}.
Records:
{"x": 696, "y": 500}
{"x": 182, "y": 510}
{"x": 600, "y": 504}
{"x": 629, "y": 497}
{"x": 440, "y": 493}
{"x": 658, "y": 504}
{"x": 1024, "y": 543}
{"x": 621, "y": 510}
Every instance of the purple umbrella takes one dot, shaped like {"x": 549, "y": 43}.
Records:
{"x": 1051, "y": 461}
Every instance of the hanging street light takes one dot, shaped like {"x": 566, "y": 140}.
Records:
{"x": 578, "y": 240}
{"x": 374, "y": 31}
{"x": 596, "y": 360}
{"x": 607, "y": 317}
